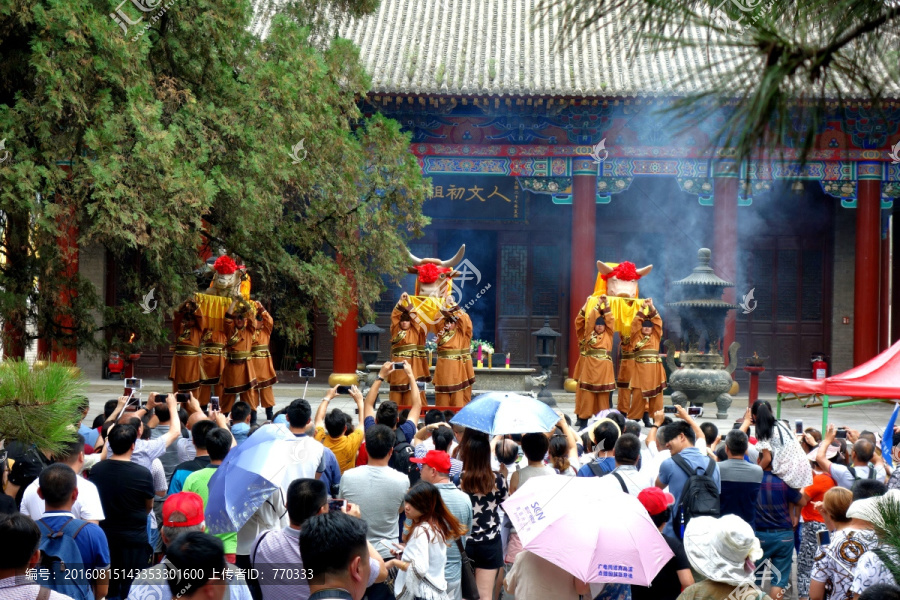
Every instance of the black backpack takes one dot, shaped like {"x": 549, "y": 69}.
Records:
{"x": 856, "y": 477}
{"x": 699, "y": 496}
{"x": 597, "y": 469}
{"x": 403, "y": 451}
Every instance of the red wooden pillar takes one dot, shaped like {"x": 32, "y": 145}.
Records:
{"x": 67, "y": 241}
{"x": 345, "y": 341}
{"x": 725, "y": 241}
{"x": 867, "y": 271}
{"x": 884, "y": 317}
{"x": 584, "y": 262}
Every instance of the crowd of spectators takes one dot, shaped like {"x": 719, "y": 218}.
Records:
{"x": 395, "y": 504}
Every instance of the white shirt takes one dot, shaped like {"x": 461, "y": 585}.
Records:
{"x": 272, "y": 515}
{"x": 634, "y": 480}
{"x": 21, "y": 588}
{"x": 427, "y": 562}
{"x": 87, "y": 507}
{"x": 651, "y": 467}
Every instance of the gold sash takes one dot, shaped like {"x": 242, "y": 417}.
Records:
{"x": 463, "y": 355}
{"x": 186, "y": 350}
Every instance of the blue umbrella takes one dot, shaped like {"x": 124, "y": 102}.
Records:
{"x": 501, "y": 413}
{"x": 268, "y": 461}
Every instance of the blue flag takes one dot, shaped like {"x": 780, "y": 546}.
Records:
{"x": 887, "y": 440}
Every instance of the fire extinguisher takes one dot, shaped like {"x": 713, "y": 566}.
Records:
{"x": 819, "y": 366}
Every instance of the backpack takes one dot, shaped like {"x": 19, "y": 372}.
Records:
{"x": 597, "y": 469}
{"x": 62, "y": 567}
{"x": 403, "y": 451}
{"x": 856, "y": 477}
{"x": 699, "y": 496}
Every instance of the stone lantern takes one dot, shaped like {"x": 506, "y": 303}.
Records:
{"x": 545, "y": 353}
{"x": 368, "y": 342}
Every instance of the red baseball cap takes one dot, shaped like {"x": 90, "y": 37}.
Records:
{"x": 188, "y": 504}
{"x": 655, "y": 500}
{"x": 436, "y": 459}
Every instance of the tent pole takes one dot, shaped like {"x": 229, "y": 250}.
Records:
{"x": 778, "y": 406}
{"x": 824, "y": 412}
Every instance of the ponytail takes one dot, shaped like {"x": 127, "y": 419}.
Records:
{"x": 764, "y": 418}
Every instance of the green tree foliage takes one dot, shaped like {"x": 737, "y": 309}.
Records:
{"x": 775, "y": 67}
{"x": 179, "y": 132}
{"x": 40, "y": 407}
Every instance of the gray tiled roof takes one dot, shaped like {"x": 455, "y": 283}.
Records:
{"x": 494, "y": 47}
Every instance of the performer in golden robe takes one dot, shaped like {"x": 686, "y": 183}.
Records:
{"x": 238, "y": 377}
{"x": 262, "y": 359}
{"x": 454, "y": 374}
{"x": 594, "y": 370}
{"x": 626, "y": 370}
{"x": 212, "y": 363}
{"x": 407, "y": 343}
{"x": 188, "y": 324}
{"x": 649, "y": 378}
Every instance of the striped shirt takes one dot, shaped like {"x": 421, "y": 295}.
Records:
{"x": 455, "y": 464}
{"x": 22, "y": 588}
{"x": 280, "y": 550}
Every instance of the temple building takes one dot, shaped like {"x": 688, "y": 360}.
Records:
{"x": 545, "y": 158}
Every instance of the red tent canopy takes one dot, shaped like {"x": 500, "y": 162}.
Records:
{"x": 876, "y": 378}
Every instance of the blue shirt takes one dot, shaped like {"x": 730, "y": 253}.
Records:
{"x": 183, "y": 470}
{"x": 772, "y": 507}
{"x": 90, "y": 435}
{"x": 408, "y": 428}
{"x": 331, "y": 476}
{"x": 240, "y": 431}
{"x": 607, "y": 464}
{"x": 740, "y": 489}
{"x": 671, "y": 475}
{"x": 91, "y": 540}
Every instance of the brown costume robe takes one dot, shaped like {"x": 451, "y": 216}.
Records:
{"x": 594, "y": 370}
{"x": 649, "y": 378}
{"x": 212, "y": 363}
{"x": 626, "y": 369}
{"x": 454, "y": 374}
{"x": 185, "y": 369}
{"x": 408, "y": 345}
{"x": 238, "y": 377}
{"x": 262, "y": 359}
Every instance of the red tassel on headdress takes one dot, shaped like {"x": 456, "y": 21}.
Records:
{"x": 225, "y": 265}
{"x": 625, "y": 271}
{"x": 428, "y": 273}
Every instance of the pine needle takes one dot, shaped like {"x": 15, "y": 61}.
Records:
{"x": 39, "y": 407}
{"x": 888, "y": 530}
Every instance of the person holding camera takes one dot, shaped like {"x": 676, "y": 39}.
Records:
{"x": 331, "y": 428}
{"x": 861, "y": 454}
{"x": 407, "y": 344}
